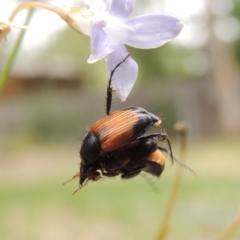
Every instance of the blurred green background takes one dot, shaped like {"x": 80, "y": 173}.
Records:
{"x": 53, "y": 95}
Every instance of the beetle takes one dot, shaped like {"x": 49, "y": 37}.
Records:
{"x": 119, "y": 144}
{"x": 140, "y": 155}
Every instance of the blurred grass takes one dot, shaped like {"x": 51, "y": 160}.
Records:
{"x": 34, "y": 206}
{"x": 39, "y": 149}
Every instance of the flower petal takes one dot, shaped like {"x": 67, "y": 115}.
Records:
{"x": 126, "y": 75}
{"x": 151, "y": 31}
{"x": 101, "y": 44}
{"x": 121, "y": 8}
{"x": 96, "y": 5}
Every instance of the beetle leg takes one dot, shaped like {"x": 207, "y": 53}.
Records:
{"x": 130, "y": 171}
{"x": 109, "y": 94}
{"x": 109, "y": 87}
{"x": 177, "y": 160}
{"x": 110, "y": 174}
{"x": 130, "y": 174}
{"x": 79, "y": 188}
{"x": 148, "y": 136}
{"x": 162, "y": 136}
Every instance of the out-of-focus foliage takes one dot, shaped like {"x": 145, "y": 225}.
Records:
{"x": 77, "y": 47}
{"x": 32, "y": 200}
{"x": 236, "y": 14}
{"x": 166, "y": 62}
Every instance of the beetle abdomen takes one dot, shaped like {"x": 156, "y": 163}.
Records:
{"x": 155, "y": 163}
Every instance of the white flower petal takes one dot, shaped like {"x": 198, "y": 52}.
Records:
{"x": 101, "y": 44}
{"x": 121, "y": 8}
{"x": 151, "y": 31}
{"x": 126, "y": 75}
{"x": 97, "y": 5}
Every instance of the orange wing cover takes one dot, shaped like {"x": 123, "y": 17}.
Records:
{"x": 122, "y": 127}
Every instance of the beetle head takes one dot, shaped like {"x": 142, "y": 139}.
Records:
{"x": 90, "y": 150}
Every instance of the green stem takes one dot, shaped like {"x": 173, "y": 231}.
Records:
{"x": 6, "y": 70}
{"x": 29, "y": 5}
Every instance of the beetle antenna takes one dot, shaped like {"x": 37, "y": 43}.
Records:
{"x": 177, "y": 160}
{"x": 109, "y": 87}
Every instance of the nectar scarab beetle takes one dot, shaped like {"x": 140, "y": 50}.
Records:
{"x": 120, "y": 144}
{"x": 116, "y": 137}
{"x": 116, "y": 131}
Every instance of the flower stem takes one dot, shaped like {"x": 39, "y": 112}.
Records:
{"x": 182, "y": 130}
{"x": 34, "y": 4}
{"x": 231, "y": 229}
{"x": 6, "y": 70}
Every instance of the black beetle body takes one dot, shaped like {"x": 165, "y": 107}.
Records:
{"x": 119, "y": 144}
{"x": 112, "y": 136}
{"x": 115, "y": 131}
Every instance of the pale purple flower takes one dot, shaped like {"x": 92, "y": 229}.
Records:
{"x": 109, "y": 28}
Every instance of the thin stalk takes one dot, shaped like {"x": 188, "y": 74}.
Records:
{"x": 182, "y": 130}
{"x": 29, "y": 5}
{"x": 8, "y": 66}
{"x": 35, "y": 4}
{"x": 232, "y": 228}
